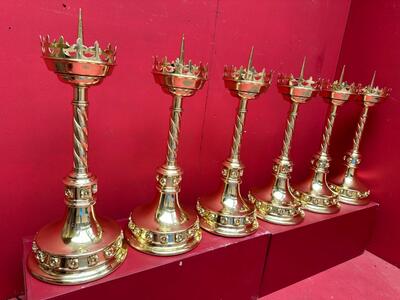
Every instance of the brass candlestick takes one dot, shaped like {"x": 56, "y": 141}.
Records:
{"x": 315, "y": 193}
{"x": 227, "y": 213}
{"x": 276, "y": 203}
{"x": 163, "y": 227}
{"x": 81, "y": 247}
{"x": 349, "y": 188}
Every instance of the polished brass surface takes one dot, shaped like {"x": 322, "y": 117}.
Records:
{"x": 348, "y": 187}
{"x": 226, "y": 212}
{"x": 315, "y": 192}
{"x": 276, "y": 203}
{"x": 80, "y": 247}
{"x": 163, "y": 227}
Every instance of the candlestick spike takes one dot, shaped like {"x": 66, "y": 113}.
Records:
{"x": 342, "y": 74}
{"x": 163, "y": 227}
{"x": 81, "y": 247}
{"x": 302, "y": 68}
{"x": 80, "y": 26}
{"x": 249, "y": 64}
{"x": 372, "y": 80}
{"x": 276, "y": 202}
{"x": 348, "y": 187}
{"x": 226, "y": 212}
{"x": 182, "y": 51}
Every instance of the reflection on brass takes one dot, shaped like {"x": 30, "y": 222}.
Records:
{"x": 349, "y": 188}
{"x": 163, "y": 227}
{"x": 226, "y": 212}
{"x": 81, "y": 247}
{"x": 276, "y": 202}
{"x": 315, "y": 192}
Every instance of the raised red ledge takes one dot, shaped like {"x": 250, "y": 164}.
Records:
{"x": 219, "y": 268}
{"x": 318, "y": 243}
{"x": 228, "y": 268}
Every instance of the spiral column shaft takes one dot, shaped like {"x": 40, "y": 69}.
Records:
{"x": 328, "y": 129}
{"x": 238, "y": 132}
{"x": 174, "y": 128}
{"x": 360, "y": 129}
{"x": 289, "y": 130}
{"x": 80, "y": 138}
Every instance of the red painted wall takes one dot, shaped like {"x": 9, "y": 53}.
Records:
{"x": 372, "y": 42}
{"x": 129, "y": 112}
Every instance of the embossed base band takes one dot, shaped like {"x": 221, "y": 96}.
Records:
{"x": 54, "y": 262}
{"x": 161, "y": 243}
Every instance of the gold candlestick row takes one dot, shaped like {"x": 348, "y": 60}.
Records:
{"x": 163, "y": 227}
{"x": 349, "y": 188}
{"x": 81, "y": 247}
{"x": 276, "y": 203}
{"x": 226, "y": 212}
{"x": 315, "y": 192}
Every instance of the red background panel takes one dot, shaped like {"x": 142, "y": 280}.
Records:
{"x": 129, "y": 112}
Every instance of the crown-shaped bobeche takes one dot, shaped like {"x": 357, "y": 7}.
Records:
{"x": 247, "y": 81}
{"x": 339, "y": 90}
{"x": 179, "y": 76}
{"x": 372, "y": 95}
{"x": 298, "y": 89}
{"x": 70, "y": 61}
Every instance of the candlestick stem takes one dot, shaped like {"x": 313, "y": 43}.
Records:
{"x": 174, "y": 129}
{"x": 238, "y": 132}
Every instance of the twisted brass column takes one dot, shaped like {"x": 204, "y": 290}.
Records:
{"x": 226, "y": 212}
{"x": 349, "y": 188}
{"x": 163, "y": 227}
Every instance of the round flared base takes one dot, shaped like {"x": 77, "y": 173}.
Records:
{"x": 229, "y": 225}
{"x": 152, "y": 238}
{"x": 287, "y": 213}
{"x": 350, "y": 195}
{"x": 54, "y": 261}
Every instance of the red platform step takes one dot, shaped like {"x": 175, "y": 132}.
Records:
{"x": 219, "y": 268}
{"x": 318, "y": 243}
{"x": 229, "y": 268}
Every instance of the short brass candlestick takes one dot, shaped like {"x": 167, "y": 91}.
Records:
{"x": 349, "y": 188}
{"x": 227, "y": 213}
{"x": 163, "y": 227}
{"x": 276, "y": 203}
{"x": 81, "y": 247}
{"x": 315, "y": 192}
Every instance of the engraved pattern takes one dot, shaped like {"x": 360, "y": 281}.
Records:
{"x": 289, "y": 130}
{"x": 237, "y": 136}
{"x": 165, "y": 239}
{"x": 80, "y": 136}
{"x": 173, "y": 134}
{"x": 214, "y": 218}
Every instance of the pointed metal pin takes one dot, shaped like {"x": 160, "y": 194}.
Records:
{"x": 302, "y": 68}
{"x": 373, "y": 79}
{"x": 342, "y": 74}
{"x": 250, "y": 63}
{"x": 182, "y": 53}
{"x": 80, "y": 26}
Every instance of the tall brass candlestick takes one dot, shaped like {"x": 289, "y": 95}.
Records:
{"x": 315, "y": 192}
{"x": 349, "y": 188}
{"x": 81, "y": 247}
{"x": 163, "y": 227}
{"x": 276, "y": 203}
{"x": 227, "y": 213}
